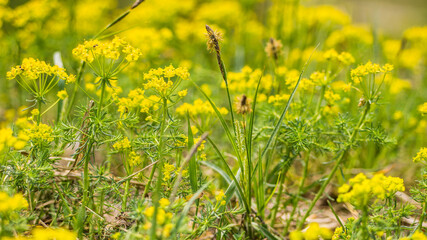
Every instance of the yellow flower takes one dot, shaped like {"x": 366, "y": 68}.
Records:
{"x": 71, "y": 78}
{"x": 148, "y": 212}
{"x": 168, "y": 169}
{"x": 182, "y": 93}
{"x": 93, "y": 49}
{"x": 296, "y": 235}
{"x": 361, "y": 190}
{"x": 62, "y": 94}
{"x": 164, "y": 202}
{"x": 397, "y": 115}
{"x": 40, "y": 133}
{"x": 134, "y": 159}
{"x": 220, "y": 195}
{"x": 421, "y": 155}
{"x": 160, "y": 79}
{"x": 35, "y": 112}
{"x": 331, "y": 97}
{"x": 422, "y": 108}
{"x": 122, "y": 145}
{"x": 199, "y": 107}
{"x": 418, "y": 235}
{"x": 37, "y": 77}
{"x": 14, "y": 203}
{"x": 50, "y": 233}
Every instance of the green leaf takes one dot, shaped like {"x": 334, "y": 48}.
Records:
{"x": 192, "y": 164}
{"x": 264, "y": 231}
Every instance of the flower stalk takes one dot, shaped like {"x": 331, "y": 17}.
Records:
{"x": 340, "y": 159}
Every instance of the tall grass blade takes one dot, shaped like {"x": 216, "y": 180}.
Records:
{"x": 192, "y": 164}
{"x": 221, "y": 119}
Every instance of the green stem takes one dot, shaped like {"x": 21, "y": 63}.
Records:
{"x": 319, "y": 103}
{"x": 337, "y": 165}
{"x": 299, "y": 193}
{"x": 279, "y": 196}
{"x": 156, "y": 194}
{"x": 365, "y": 230}
{"x": 125, "y": 197}
{"x": 86, "y": 174}
{"x": 51, "y": 106}
{"x": 39, "y": 117}
{"x": 76, "y": 88}
{"x": 101, "y": 99}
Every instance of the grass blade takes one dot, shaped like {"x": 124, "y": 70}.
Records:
{"x": 192, "y": 164}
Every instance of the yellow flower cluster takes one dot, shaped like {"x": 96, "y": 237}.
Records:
{"x": 33, "y": 69}
{"x": 136, "y": 99}
{"x": 291, "y": 79}
{"x": 323, "y": 14}
{"x": 319, "y": 78}
{"x": 62, "y": 94}
{"x": 331, "y": 97}
{"x": 416, "y": 34}
{"x": 151, "y": 40}
{"x": 422, "y": 108}
{"x": 168, "y": 170}
{"x": 48, "y": 234}
{"x": 340, "y": 234}
{"x": 220, "y": 198}
{"x": 247, "y": 80}
{"x": 8, "y": 140}
{"x": 341, "y": 86}
{"x": 398, "y": 85}
{"x": 418, "y": 235}
{"x": 134, "y": 159}
{"x": 122, "y": 145}
{"x": 344, "y": 57}
{"x": 93, "y": 49}
{"x": 37, "y": 77}
{"x": 160, "y": 79}
{"x": 350, "y": 34}
{"x": 313, "y": 232}
{"x": 163, "y": 218}
{"x": 361, "y": 190}
{"x": 39, "y": 133}
{"x": 278, "y": 99}
{"x": 421, "y": 155}
{"x": 10, "y": 204}
{"x": 369, "y": 68}
{"x": 199, "y": 107}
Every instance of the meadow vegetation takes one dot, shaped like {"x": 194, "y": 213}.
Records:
{"x": 209, "y": 119}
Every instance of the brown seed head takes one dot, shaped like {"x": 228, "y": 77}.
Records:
{"x": 213, "y": 39}
{"x": 136, "y": 4}
{"x": 362, "y": 102}
{"x": 243, "y": 105}
{"x": 274, "y": 48}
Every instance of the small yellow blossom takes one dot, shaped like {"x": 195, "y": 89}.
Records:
{"x": 361, "y": 190}
{"x": 35, "y": 112}
{"x": 168, "y": 169}
{"x": 14, "y": 203}
{"x": 62, "y": 94}
{"x": 182, "y": 93}
{"x": 40, "y": 133}
{"x": 220, "y": 195}
{"x": 421, "y": 155}
{"x": 164, "y": 202}
{"x": 422, "y": 108}
{"x": 134, "y": 159}
{"x": 122, "y": 145}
